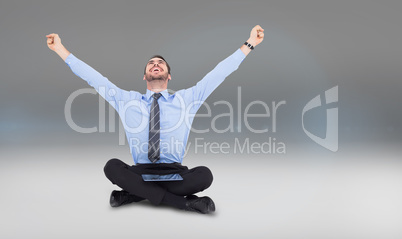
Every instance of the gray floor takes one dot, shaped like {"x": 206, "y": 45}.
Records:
{"x": 62, "y": 193}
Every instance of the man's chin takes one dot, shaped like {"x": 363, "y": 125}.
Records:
{"x": 156, "y": 79}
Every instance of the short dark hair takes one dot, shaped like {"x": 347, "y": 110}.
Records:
{"x": 161, "y": 57}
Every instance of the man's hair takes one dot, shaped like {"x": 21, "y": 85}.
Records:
{"x": 157, "y": 56}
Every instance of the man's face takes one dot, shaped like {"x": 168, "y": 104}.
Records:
{"x": 156, "y": 69}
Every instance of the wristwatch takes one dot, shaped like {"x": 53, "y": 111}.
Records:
{"x": 249, "y": 45}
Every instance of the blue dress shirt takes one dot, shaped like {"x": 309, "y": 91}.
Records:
{"x": 177, "y": 110}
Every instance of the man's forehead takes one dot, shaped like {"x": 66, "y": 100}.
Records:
{"x": 155, "y": 59}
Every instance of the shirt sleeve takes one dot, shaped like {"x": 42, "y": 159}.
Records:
{"x": 214, "y": 78}
{"x": 109, "y": 91}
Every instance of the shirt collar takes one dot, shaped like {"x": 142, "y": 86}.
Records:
{"x": 149, "y": 94}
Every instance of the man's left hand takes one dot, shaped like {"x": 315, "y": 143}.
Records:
{"x": 256, "y": 35}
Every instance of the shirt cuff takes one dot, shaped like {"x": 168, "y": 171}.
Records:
{"x": 71, "y": 60}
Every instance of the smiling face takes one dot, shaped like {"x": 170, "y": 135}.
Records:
{"x": 157, "y": 69}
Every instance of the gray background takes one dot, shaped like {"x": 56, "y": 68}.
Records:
{"x": 51, "y": 177}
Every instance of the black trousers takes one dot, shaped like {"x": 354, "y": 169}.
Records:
{"x": 129, "y": 179}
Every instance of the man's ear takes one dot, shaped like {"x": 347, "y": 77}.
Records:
{"x": 144, "y": 78}
{"x": 169, "y": 77}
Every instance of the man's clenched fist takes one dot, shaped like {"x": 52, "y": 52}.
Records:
{"x": 53, "y": 41}
{"x": 256, "y": 35}
{"x": 54, "y": 44}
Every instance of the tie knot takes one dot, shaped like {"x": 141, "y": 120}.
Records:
{"x": 157, "y": 96}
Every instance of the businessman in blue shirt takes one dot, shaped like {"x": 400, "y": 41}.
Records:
{"x": 157, "y": 125}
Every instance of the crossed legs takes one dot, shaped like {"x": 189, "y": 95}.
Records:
{"x": 170, "y": 192}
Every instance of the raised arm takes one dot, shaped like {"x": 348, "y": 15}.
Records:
{"x": 109, "y": 91}
{"x": 214, "y": 78}
{"x": 54, "y": 44}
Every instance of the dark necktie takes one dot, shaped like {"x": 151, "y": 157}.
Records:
{"x": 154, "y": 130}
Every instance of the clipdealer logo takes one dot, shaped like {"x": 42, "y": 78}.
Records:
{"x": 330, "y": 141}
{"x": 271, "y": 146}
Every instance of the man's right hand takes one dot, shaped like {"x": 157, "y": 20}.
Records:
{"x": 54, "y": 44}
{"x": 54, "y": 41}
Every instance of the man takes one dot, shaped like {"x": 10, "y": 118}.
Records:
{"x": 157, "y": 125}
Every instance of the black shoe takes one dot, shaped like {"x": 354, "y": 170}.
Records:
{"x": 119, "y": 198}
{"x": 202, "y": 205}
